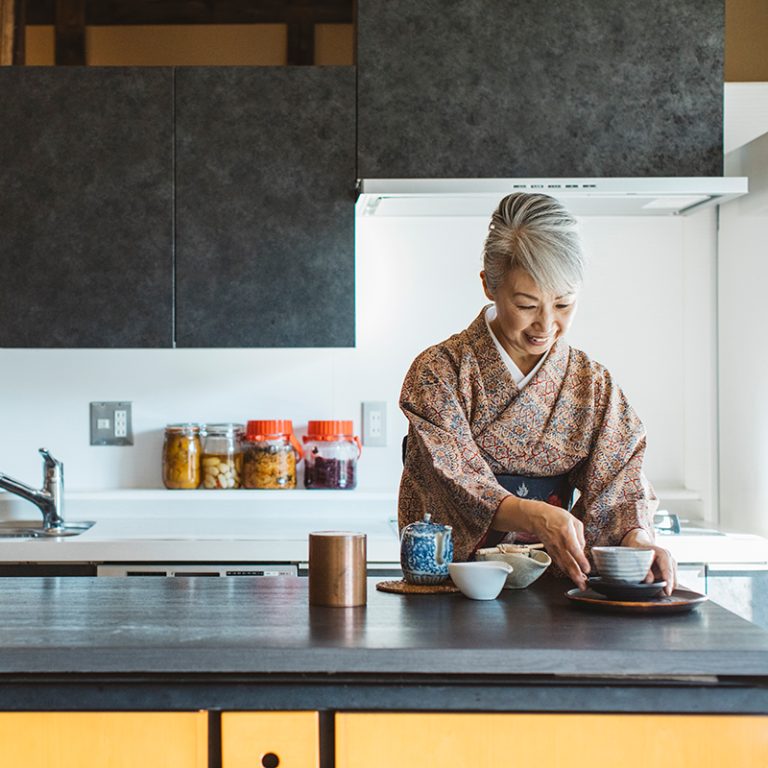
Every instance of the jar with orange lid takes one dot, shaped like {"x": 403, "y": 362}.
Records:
{"x": 331, "y": 453}
{"x": 270, "y": 454}
{"x": 181, "y": 456}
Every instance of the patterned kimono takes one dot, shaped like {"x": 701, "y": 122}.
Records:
{"x": 468, "y": 422}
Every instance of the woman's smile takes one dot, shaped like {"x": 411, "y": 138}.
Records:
{"x": 538, "y": 341}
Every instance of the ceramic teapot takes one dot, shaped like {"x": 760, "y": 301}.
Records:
{"x": 426, "y": 548}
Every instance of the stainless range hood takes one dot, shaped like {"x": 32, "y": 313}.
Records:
{"x": 582, "y": 196}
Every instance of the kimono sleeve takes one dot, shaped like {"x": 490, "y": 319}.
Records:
{"x": 615, "y": 494}
{"x": 444, "y": 470}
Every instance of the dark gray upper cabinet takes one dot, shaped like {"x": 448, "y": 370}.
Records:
{"x": 86, "y": 207}
{"x": 265, "y": 174}
{"x": 532, "y": 88}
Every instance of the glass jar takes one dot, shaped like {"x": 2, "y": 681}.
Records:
{"x": 331, "y": 454}
{"x": 270, "y": 454}
{"x": 222, "y": 460}
{"x": 181, "y": 456}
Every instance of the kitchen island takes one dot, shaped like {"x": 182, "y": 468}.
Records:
{"x": 256, "y": 646}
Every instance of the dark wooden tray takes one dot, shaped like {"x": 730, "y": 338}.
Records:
{"x": 680, "y": 601}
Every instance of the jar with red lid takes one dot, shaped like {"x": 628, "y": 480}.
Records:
{"x": 270, "y": 454}
{"x": 331, "y": 453}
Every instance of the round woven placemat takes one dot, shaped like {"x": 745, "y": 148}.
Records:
{"x": 402, "y": 587}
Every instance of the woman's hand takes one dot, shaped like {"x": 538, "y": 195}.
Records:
{"x": 559, "y": 531}
{"x": 663, "y": 565}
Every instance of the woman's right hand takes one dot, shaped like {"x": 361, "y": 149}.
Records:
{"x": 559, "y": 531}
{"x": 562, "y": 535}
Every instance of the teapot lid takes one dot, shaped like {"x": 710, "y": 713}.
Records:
{"x": 427, "y": 526}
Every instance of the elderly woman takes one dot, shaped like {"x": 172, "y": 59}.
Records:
{"x": 507, "y": 421}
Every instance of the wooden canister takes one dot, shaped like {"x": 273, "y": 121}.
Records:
{"x": 337, "y": 569}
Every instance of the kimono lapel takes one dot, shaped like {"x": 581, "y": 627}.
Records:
{"x": 512, "y": 431}
{"x": 494, "y": 379}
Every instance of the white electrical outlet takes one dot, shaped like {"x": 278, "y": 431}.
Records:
{"x": 121, "y": 423}
{"x": 375, "y": 424}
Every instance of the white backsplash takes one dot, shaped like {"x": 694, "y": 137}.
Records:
{"x": 417, "y": 282}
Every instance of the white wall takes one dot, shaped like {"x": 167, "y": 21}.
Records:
{"x": 743, "y": 358}
{"x": 417, "y": 282}
{"x": 745, "y": 112}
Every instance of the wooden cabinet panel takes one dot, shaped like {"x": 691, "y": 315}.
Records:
{"x": 104, "y": 739}
{"x": 265, "y": 178}
{"x": 86, "y": 209}
{"x": 239, "y": 234}
{"x": 529, "y": 89}
{"x": 248, "y": 739}
{"x": 550, "y": 741}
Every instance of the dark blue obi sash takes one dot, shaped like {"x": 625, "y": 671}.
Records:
{"x": 556, "y": 491}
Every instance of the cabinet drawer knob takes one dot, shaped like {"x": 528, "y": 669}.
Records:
{"x": 270, "y": 760}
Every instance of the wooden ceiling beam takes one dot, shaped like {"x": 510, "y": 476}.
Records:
{"x": 70, "y": 32}
{"x": 19, "y": 36}
{"x": 136, "y": 12}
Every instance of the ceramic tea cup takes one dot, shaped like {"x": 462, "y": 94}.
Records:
{"x": 623, "y": 563}
{"x": 480, "y": 581}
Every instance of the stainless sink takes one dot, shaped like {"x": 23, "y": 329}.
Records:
{"x": 33, "y": 529}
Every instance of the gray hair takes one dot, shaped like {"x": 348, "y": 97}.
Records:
{"x": 535, "y": 233}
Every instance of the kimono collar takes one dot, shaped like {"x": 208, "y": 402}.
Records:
{"x": 494, "y": 372}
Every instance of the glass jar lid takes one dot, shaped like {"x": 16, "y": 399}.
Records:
{"x": 184, "y": 428}
{"x": 227, "y": 429}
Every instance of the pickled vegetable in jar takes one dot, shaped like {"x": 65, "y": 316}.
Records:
{"x": 331, "y": 454}
{"x": 270, "y": 454}
{"x": 222, "y": 459}
{"x": 181, "y": 456}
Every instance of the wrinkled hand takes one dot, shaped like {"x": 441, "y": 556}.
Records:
{"x": 663, "y": 565}
{"x": 562, "y": 535}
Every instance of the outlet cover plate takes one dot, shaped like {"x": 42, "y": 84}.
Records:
{"x": 375, "y": 424}
{"x": 103, "y": 431}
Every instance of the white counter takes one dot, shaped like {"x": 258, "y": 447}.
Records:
{"x": 212, "y": 526}
{"x": 260, "y": 527}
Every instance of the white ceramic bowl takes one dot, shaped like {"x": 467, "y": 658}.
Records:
{"x": 479, "y": 581}
{"x": 623, "y": 563}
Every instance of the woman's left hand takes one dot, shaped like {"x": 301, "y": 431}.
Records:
{"x": 663, "y": 565}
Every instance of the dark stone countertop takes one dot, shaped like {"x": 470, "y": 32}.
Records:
{"x": 264, "y": 626}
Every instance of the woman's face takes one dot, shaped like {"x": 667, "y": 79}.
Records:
{"x": 528, "y": 320}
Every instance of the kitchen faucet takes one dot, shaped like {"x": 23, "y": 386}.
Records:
{"x": 50, "y": 498}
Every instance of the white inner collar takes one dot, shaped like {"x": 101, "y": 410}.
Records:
{"x": 518, "y": 376}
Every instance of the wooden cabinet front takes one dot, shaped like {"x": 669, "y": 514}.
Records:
{"x": 197, "y": 207}
{"x": 265, "y": 178}
{"x": 493, "y": 88}
{"x": 104, "y": 739}
{"x": 270, "y": 739}
{"x": 550, "y": 740}
{"x": 86, "y": 209}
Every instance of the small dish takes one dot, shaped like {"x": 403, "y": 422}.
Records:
{"x": 626, "y": 590}
{"x": 479, "y": 581}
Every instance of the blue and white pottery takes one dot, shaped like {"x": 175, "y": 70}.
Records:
{"x": 426, "y": 548}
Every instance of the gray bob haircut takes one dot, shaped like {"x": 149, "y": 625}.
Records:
{"x": 534, "y": 233}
